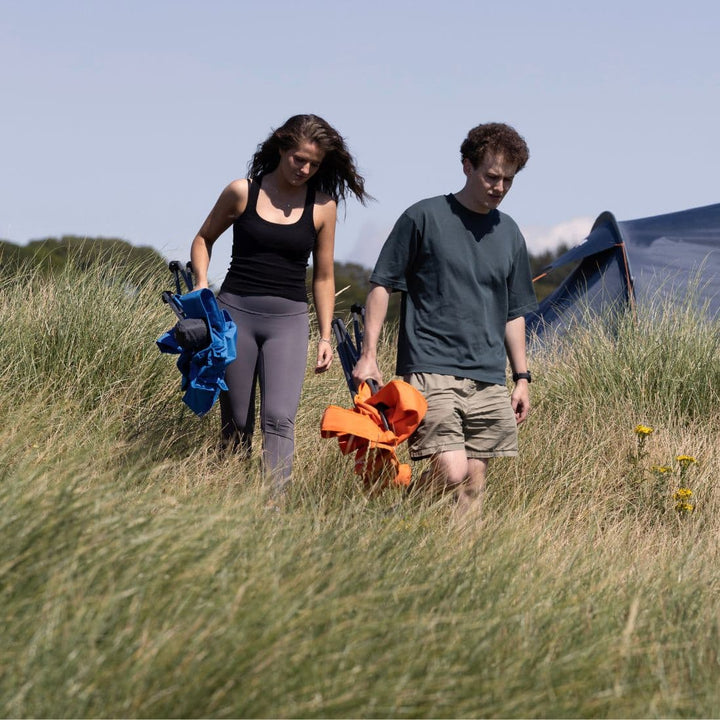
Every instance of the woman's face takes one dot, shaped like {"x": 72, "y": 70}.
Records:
{"x": 300, "y": 163}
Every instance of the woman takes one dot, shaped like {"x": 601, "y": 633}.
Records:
{"x": 285, "y": 209}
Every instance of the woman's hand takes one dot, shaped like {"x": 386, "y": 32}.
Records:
{"x": 324, "y": 355}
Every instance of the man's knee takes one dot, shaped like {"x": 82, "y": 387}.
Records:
{"x": 450, "y": 468}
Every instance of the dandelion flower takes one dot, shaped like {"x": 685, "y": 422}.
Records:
{"x": 643, "y": 430}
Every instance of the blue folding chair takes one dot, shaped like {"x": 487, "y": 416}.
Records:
{"x": 204, "y": 337}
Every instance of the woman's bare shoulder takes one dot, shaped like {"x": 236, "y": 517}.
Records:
{"x": 324, "y": 199}
{"x": 238, "y": 188}
{"x": 325, "y": 206}
{"x": 235, "y": 195}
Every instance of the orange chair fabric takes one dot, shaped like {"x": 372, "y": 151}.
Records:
{"x": 361, "y": 430}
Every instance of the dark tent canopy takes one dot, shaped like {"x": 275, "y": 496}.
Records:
{"x": 653, "y": 261}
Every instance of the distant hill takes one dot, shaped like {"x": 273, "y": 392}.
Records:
{"x": 51, "y": 254}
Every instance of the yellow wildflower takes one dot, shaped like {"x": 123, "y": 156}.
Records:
{"x": 661, "y": 469}
{"x": 643, "y": 429}
{"x": 682, "y": 493}
{"x": 684, "y": 507}
{"x": 686, "y": 459}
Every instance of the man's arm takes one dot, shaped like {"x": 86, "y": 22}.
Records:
{"x": 376, "y": 307}
{"x": 515, "y": 348}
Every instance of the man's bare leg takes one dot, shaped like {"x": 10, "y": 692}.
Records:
{"x": 471, "y": 493}
{"x": 465, "y": 477}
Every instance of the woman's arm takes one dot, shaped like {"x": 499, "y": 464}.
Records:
{"x": 323, "y": 282}
{"x": 229, "y": 206}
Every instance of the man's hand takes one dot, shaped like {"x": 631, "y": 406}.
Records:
{"x": 366, "y": 368}
{"x": 520, "y": 400}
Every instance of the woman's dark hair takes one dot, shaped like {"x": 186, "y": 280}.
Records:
{"x": 498, "y": 138}
{"x": 337, "y": 174}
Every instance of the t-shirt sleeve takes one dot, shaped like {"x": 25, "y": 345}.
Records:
{"x": 396, "y": 255}
{"x": 521, "y": 292}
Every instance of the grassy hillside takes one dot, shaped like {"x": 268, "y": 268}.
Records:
{"x": 144, "y": 576}
{"x": 51, "y": 254}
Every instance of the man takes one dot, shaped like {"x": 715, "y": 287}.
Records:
{"x": 464, "y": 273}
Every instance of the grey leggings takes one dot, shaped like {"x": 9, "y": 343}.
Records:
{"x": 272, "y": 347}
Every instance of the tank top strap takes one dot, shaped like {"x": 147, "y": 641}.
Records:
{"x": 309, "y": 203}
{"x": 253, "y": 193}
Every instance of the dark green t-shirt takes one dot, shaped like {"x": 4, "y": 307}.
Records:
{"x": 463, "y": 276}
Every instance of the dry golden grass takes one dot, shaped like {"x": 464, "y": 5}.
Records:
{"x": 143, "y": 575}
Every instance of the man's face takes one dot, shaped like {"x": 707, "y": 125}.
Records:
{"x": 489, "y": 182}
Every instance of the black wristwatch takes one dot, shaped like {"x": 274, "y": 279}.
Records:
{"x": 522, "y": 376}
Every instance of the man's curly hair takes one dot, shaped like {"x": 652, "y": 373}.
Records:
{"x": 498, "y": 138}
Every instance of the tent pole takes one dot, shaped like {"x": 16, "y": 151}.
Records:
{"x": 628, "y": 280}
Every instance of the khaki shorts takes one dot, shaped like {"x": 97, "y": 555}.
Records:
{"x": 463, "y": 414}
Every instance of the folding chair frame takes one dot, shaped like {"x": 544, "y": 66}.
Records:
{"x": 349, "y": 351}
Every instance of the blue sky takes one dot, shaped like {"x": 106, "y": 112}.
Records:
{"x": 126, "y": 119}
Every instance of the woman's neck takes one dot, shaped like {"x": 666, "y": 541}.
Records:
{"x": 281, "y": 193}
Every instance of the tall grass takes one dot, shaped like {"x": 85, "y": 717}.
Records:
{"x": 143, "y": 575}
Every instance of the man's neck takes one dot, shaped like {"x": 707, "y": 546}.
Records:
{"x": 463, "y": 198}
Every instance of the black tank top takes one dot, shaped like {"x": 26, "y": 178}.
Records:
{"x": 270, "y": 258}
